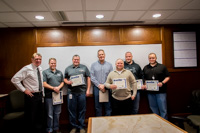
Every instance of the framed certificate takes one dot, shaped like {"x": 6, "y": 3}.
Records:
{"x": 77, "y": 80}
{"x": 152, "y": 85}
{"x": 57, "y": 98}
{"x": 120, "y": 82}
{"x": 139, "y": 84}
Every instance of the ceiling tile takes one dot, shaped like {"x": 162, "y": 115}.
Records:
{"x": 169, "y": 4}
{"x": 31, "y": 16}
{"x": 148, "y": 15}
{"x": 65, "y": 5}
{"x": 91, "y": 16}
{"x": 151, "y": 21}
{"x": 191, "y": 21}
{"x": 71, "y": 24}
{"x": 128, "y": 15}
{"x": 185, "y": 15}
{"x": 195, "y": 4}
{"x": 19, "y": 25}
{"x": 136, "y": 4}
{"x": 171, "y": 22}
{"x": 11, "y": 17}
{"x": 19, "y": 13}
{"x": 195, "y": 15}
{"x": 74, "y": 16}
{"x": 101, "y": 4}
{"x": 27, "y": 5}
{"x": 45, "y": 24}
{"x": 2, "y": 26}
{"x": 4, "y": 7}
{"x": 97, "y": 24}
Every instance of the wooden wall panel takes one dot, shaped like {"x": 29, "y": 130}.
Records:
{"x": 168, "y": 42}
{"x": 99, "y": 34}
{"x": 82, "y": 36}
{"x": 179, "y": 90}
{"x": 56, "y": 37}
{"x": 147, "y": 35}
{"x": 17, "y": 47}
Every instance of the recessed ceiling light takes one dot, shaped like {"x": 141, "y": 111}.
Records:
{"x": 99, "y": 16}
{"x": 39, "y": 17}
{"x": 156, "y": 15}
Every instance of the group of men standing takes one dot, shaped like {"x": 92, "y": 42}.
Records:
{"x": 119, "y": 86}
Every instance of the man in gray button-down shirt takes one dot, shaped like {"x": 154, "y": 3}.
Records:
{"x": 99, "y": 72}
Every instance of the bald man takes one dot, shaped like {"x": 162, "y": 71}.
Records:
{"x": 121, "y": 82}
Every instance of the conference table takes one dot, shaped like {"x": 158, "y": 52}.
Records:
{"x": 144, "y": 123}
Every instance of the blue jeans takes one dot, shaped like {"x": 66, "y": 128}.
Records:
{"x": 77, "y": 103}
{"x": 53, "y": 115}
{"x": 136, "y": 103}
{"x": 158, "y": 104}
{"x": 98, "y": 105}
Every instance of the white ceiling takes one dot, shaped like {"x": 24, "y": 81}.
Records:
{"x": 21, "y": 13}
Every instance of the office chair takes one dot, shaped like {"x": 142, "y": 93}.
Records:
{"x": 192, "y": 117}
{"x": 15, "y": 110}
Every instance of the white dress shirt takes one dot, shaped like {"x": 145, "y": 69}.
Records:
{"x": 27, "y": 75}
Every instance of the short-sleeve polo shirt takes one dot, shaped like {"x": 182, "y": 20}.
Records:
{"x": 159, "y": 72}
{"x": 52, "y": 78}
{"x": 72, "y": 71}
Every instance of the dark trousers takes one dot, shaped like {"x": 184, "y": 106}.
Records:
{"x": 121, "y": 107}
{"x": 34, "y": 109}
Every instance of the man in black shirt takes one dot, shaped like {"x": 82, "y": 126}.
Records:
{"x": 157, "y": 99}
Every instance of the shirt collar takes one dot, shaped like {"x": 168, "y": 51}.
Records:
{"x": 34, "y": 67}
{"x": 52, "y": 71}
{"x": 100, "y": 62}
{"x": 155, "y": 65}
{"x": 121, "y": 70}
{"x": 76, "y": 66}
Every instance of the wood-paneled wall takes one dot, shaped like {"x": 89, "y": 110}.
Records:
{"x": 18, "y": 44}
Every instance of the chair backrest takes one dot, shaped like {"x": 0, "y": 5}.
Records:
{"x": 195, "y": 105}
{"x": 16, "y": 99}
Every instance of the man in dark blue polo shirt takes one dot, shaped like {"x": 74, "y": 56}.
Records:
{"x": 77, "y": 77}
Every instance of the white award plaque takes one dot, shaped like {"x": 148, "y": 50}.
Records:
{"x": 139, "y": 84}
{"x": 120, "y": 82}
{"x": 57, "y": 98}
{"x": 77, "y": 80}
{"x": 152, "y": 85}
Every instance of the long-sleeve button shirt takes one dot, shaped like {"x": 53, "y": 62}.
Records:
{"x": 27, "y": 75}
{"x": 99, "y": 72}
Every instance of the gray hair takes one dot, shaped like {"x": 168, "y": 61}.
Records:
{"x": 75, "y": 56}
